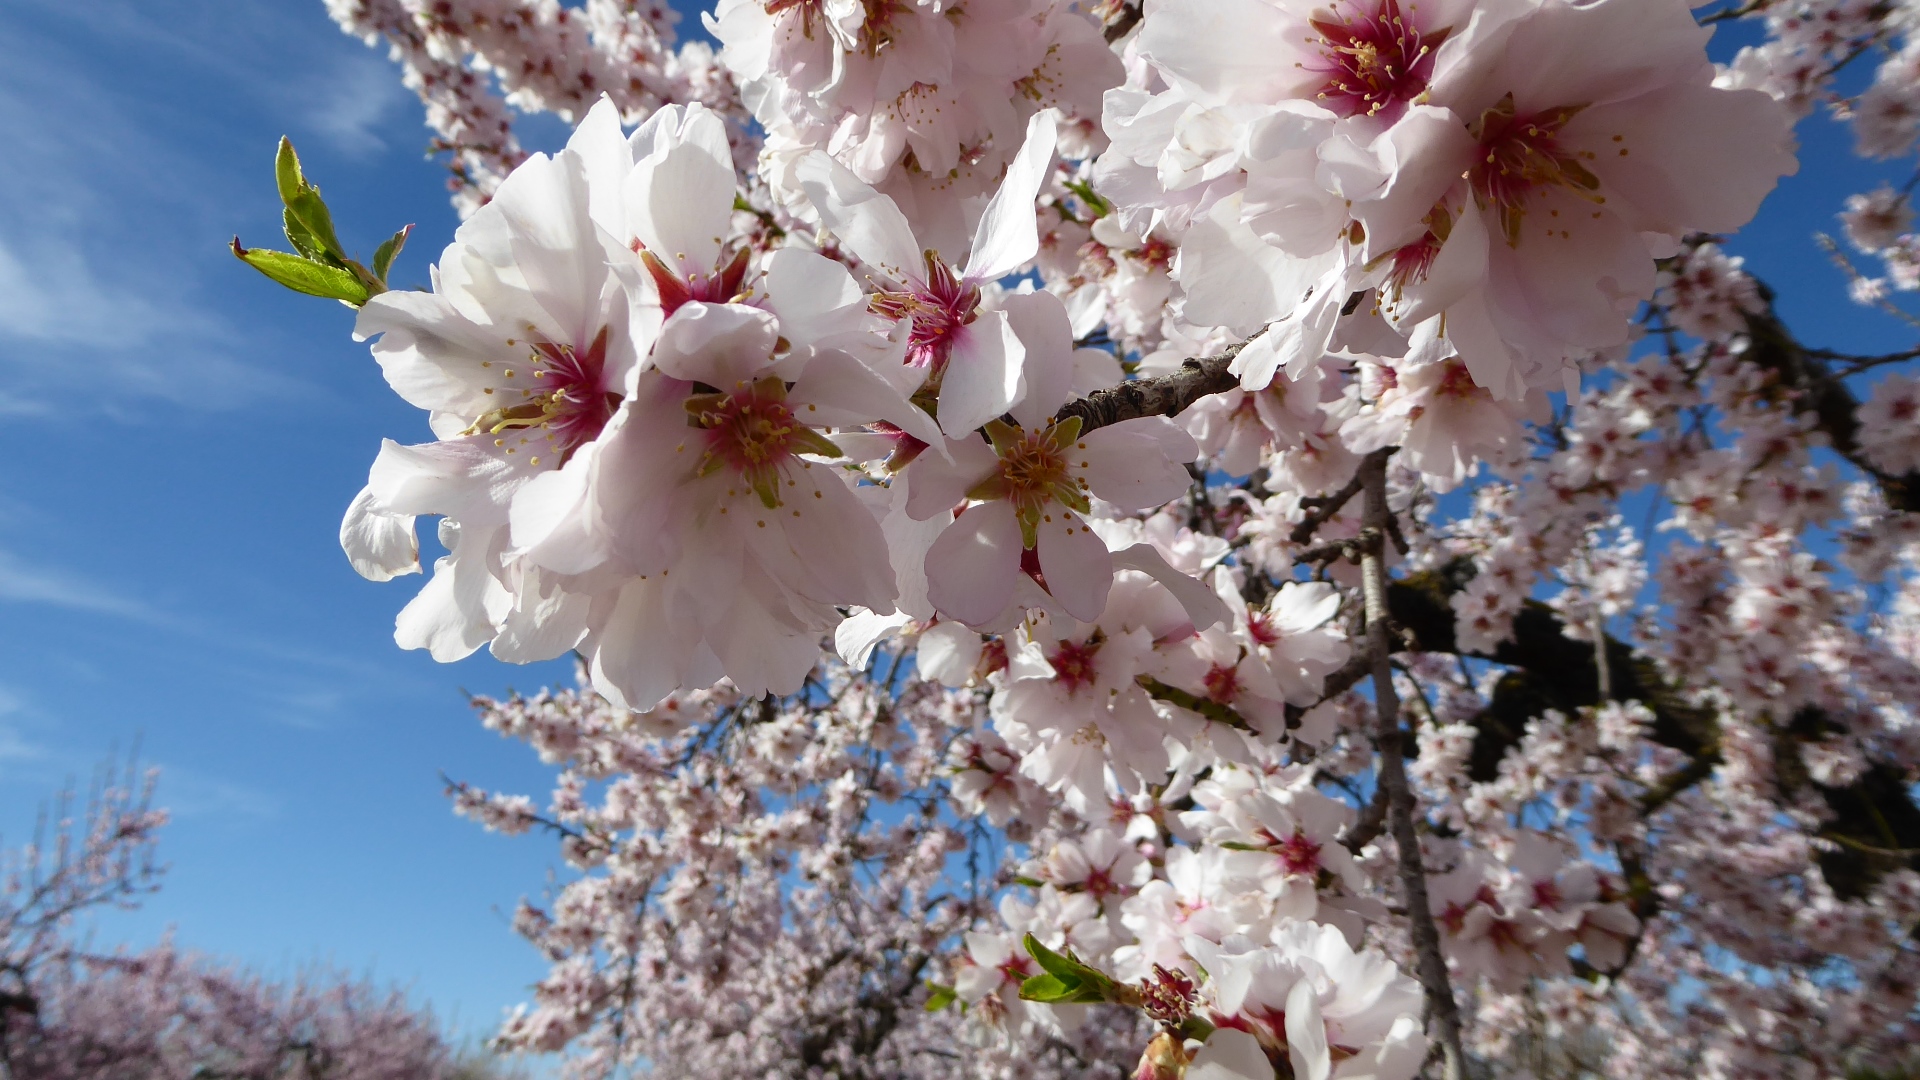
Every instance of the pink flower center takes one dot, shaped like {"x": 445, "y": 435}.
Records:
{"x": 752, "y": 432}
{"x": 1034, "y": 472}
{"x": 1376, "y": 58}
{"x": 939, "y": 308}
{"x": 1223, "y": 683}
{"x": 1521, "y": 155}
{"x": 1261, "y": 629}
{"x": 570, "y": 402}
{"x": 1456, "y": 381}
{"x": 1299, "y": 854}
{"x": 719, "y": 287}
{"x": 1073, "y": 664}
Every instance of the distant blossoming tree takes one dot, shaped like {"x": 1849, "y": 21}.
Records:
{"x": 1226, "y": 539}
{"x": 68, "y": 1012}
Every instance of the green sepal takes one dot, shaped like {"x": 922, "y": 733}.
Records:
{"x": 1002, "y": 435}
{"x": 1031, "y": 883}
{"x": 304, "y": 275}
{"x": 939, "y": 997}
{"x": 810, "y": 441}
{"x": 1195, "y": 1027}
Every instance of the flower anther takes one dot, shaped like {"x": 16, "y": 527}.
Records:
{"x": 1375, "y": 56}
{"x": 752, "y": 432}
{"x": 1034, "y": 471}
{"x": 1520, "y": 156}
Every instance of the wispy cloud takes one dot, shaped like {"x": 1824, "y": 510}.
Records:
{"x": 110, "y": 220}
{"x": 26, "y": 582}
{"x": 351, "y": 99}
{"x": 189, "y": 793}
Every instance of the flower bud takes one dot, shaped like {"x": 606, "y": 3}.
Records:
{"x": 1165, "y": 1058}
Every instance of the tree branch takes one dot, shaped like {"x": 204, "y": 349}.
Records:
{"x": 1389, "y": 744}
{"x": 1165, "y": 395}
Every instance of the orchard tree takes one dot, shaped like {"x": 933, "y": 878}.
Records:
{"x": 1233, "y": 539}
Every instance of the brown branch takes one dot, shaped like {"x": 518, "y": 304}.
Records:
{"x": 1390, "y": 747}
{"x": 1817, "y": 390}
{"x": 1165, "y": 395}
{"x": 1207, "y": 707}
{"x": 1322, "y": 507}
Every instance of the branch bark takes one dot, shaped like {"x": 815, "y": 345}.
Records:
{"x": 1390, "y": 748}
{"x": 1166, "y": 395}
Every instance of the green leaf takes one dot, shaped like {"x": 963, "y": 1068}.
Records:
{"x": 1068, "y": 968}
{"x": 286, "y": 171}
{"x": 304, "y": 275}
{"x": 302, "y": 240}
{"x": 383, "y": 256}
{"x": 1051, "y": 989}
{"x": 1046, "y": 988}
{"x": 940, "y": 997}
{"x": 311, "y": 212}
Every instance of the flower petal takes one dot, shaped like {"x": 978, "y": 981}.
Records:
{"x": 866, "y": 222}
{"x": 1074, "y": 559}
{"x": 972, "y": 567}
{"x": 983, "y": 375}
{"x": 1008, "y": 234}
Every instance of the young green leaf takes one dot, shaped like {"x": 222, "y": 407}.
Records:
{"x": 311, "y": 212}
{"x": 304, "y": 275}
{"x": 286, "y": 171}
{"x": 939, "y": 997}
{"x": 1067, "y": 967}
{"x": 384, "y": 255}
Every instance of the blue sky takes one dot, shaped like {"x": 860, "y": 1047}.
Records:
{"x": 183, "y": 438}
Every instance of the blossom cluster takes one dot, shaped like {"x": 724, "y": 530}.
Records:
{"x": 1123, "y": 527}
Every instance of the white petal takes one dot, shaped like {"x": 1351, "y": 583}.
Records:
{"x": 1136, "y": 464}
{"x": 1230, "y": 1055}
{"x": 606, "y": 158}
{"x": 680, "y": 206}
{"x": 972, "y": 567}
{"x": 642, "y": 649}
{"x": 814, "y": 296}
{"x": 1202, "y": 606}
{"x": 983, "y": 375}
{"x": 866, "y": 222}
{"x": 939, "y": 486}
{"x": 1075, "y": 562}
{"x": 1307, "y": 1033}
{"x": 1008, "y": 234}
{"x": 836, "y": 390}
{"x": 948, "y": 653}
{"x": 449, "y": 618}
{"x": 541, "y": 626}
{"x": 856, "y": 638}
{"x": 722, "y": 345}
{"x": 1040, "y": 321}
{"x": 381, "y": 545}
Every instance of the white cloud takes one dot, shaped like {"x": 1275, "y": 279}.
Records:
{"x": 22, "y": 582}
{"x": 352, "y": 100}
